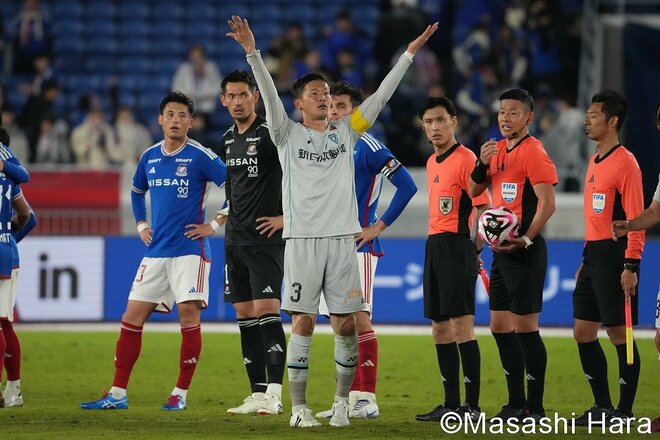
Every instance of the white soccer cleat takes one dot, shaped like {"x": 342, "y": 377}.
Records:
{"x": 13, "y": 399}
{"x": 364, "y": 409}
{"x": 327, "y": 414}
{"x": 340, "y": 417}
{"x": 303, "y": 418}
{"x": 270, "y": 405}
{"x": 250, "y": 405}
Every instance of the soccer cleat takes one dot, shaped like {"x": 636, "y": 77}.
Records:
{"x": 510, "y": 412}
{"x": 270, "y": 405}
{"x": 250, "y": 405}
{"x": 529, "y": 416}
{"x": 364, "y": 409}
{"x": 13, "y": 399}
{"x": 595, "y": 415}
{"x": 175, "y": 403}
{"x": 474, "y": 413}
{"x": 303, "y": 418}
{"x": 620, "y": 415}
{"x": 435, "y": 414}
{"x": 340, "y": 417}
{"x": 327, "y": 414}
{"x": 106, "y": 402}
{"x": 655, "y": 425}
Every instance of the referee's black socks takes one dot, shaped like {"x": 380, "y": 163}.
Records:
{"x": 449, "y": 365}
{"x": 274, "y": 346}
{"x": 536, "y": 361}
{"x": 628, "y": 377}
{"x": 513, "y": 362}
{"x": 471, "y": 362}
{"x": 594, "y": 365}
{"x": 253, "y": 353}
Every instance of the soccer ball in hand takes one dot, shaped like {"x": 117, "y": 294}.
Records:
{"x": 498, "y": 225}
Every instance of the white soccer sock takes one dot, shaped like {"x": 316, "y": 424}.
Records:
{"x": 297, "y": 361}
{"x": 13, "y": 386}
{"x": 275, "y": 389}
{"x": 117, "y": 392}
{"x": 180, "y": 392}
{"x": 346, "y": 357}
{"x": 353, "y": 397}
{"x": 365, "y": 395}
{"x": 259, "y": 396}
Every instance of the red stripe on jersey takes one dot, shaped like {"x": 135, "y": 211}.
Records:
{"x": 200, "y": 219}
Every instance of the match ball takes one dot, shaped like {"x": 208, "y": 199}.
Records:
{"x": 498, "y": 225}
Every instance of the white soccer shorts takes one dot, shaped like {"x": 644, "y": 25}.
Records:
{"x": 166, "y": 281}
{"x": 367, "y": 263}
{"x": 8, "y": 295}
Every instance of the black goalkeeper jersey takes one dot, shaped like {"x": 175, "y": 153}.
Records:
{"x": 254, "y": 184}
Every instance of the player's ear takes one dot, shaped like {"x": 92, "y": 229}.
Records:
{"x": 454, "y": 121}
{"x": 297, "y": 103}
{"x": 257, "y": 95}
{"x": 223, "y": 100}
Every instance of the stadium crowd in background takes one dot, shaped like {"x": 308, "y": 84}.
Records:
{"x": 483, "y": 48}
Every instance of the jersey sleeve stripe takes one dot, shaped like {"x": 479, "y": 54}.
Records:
{"x": 137, "y": 190}
{"x": 372, "y": 142}
{"x": 202, "y": 148}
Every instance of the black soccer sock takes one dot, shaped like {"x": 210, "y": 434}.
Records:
{"x": 471, "y": 362}
{"x": 594, "y": 365}
{"x": 274, "y": 346}
{"x": 513, "y": 363}
{"x": 253, "y": 353}
{"x": 536, "y": 361}
{"x": 628, "y": 378}
{"x": 449, "y": 363}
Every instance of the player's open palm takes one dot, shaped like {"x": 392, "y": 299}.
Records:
{"x": 241, "y": 32}
{"x": 420, "y": 41}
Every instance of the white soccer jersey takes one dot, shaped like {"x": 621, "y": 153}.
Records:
{"x": 318, "y": 186}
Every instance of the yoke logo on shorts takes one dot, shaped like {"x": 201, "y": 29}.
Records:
{"x": 354, "y": 293}
{"x": 509, "y": 191}
{"x": 598, "y": 202}
{"x": 446, "y": 205}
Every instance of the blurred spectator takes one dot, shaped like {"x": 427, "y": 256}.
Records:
{"x": 199, "y": 132}
{"x": 19, "y": 141}
{"x": 347, "y": 69}
{"x": 543, "y": 38}
{"x": 53, "y": 145}
{"x": 87, "y": 103}
{"x": 132, "y": 139}
{"x": 31, "y": 35}
{"x": 311, "y": 62}
{"x": 510, "y": 56}
{"x": 345, "y": 35}
{"x": 199, "y": 78}
{"x": 35, "y": 109}
{"x": 286, "y": 48}
{"x": 93, "y": 142}
{"x": 43, "y": 72}
{"x": 473, "y": 50}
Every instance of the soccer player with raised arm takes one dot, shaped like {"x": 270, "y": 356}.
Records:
{"x": 320, "y": 215}
{"x": 373, "y": 161}
{"x": 175, "y": 269}
{"x": 523, "y": 179}
{"x": 608, "y": 275}
{"x": 21, "y": 223}
{"x": 451, "y": 261}
{"x": 254, "y": 251}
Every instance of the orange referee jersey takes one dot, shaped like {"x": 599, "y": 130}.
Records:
{"x": 513, "y": 174}
{"x": 613, "y": 191}
{"x": 447, "y": 177}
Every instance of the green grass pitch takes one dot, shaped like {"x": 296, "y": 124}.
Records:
{"x": 60, "y": 370}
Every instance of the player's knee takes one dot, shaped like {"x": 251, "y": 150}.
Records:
{"x": 344, "y": 325}
{"x": 303, "y": 324}
{"x": 617, "y": 334}
{"x": 657, "y": 340}
{"x": 363, "y": 322}
{"x": 443, "y": 332}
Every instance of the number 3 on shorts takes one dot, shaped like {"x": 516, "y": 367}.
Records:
{"x": 297, "y": 288}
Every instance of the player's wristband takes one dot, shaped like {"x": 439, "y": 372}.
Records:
{"x": 527, "y": 241}
{"x": 479, "y": 173}
{"x": 215, "y": 225}
{"x": 142, "y": 226}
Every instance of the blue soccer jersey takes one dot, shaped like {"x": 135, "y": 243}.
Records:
{"x": 9, "y": 191}
{"x": 177, "y": 183}
{"x": 373, "y": 161}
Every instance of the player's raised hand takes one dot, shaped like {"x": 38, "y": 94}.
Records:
{"x": 619, "y": 229}
{"x": 241, "y": 32}
{"x": 420, "y": 41}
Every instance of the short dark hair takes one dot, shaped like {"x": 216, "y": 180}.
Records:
{"x": 4, "y": 136}
{"x": 344, "y": 88}
{"x": 614, "y": 104}
{"x": 299, "y": 86}
{"x": 179, "y": 97}
{"x": 436, "y": 101}
{"x": 521, "y": 95}
{"x": 238, "y": 76}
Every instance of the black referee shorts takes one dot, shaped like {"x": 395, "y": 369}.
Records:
{"x": 517, "y": 279}
{"x": 598, "y": 295}
{"x": 253, "y": 272}
{"x": 450, "y": 274}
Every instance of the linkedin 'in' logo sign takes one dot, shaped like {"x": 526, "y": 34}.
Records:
{"x": 53, "y": 279}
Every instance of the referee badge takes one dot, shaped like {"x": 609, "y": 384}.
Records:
{"x": 182, "y": 170}
{"x": 598, "y": 202}
{"x": 446, "y": 205}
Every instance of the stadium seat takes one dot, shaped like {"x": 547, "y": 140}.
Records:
{"x": 99, "y": 27}
{"x": 301, "y": 13}
{"x": 201, "y": 30}
{"x": 136, "y": 46}
{"x": 97, "y": 63}
{"x": 66, "y": 63}
{"x": 265, "y": 13}
{"x": 102, "y": 10}
{"x": 133, "y": 64}
{"x": 67, "y": 9}
{"x": 68, "y": 45}
{"x": 170, "y": 12}
{"x": 97, "y": 45}
{"x": 67, "y": 27}
{"x": 233, "y": 8}
{"x": 174, "y": 47}
{"x": 165, "y": 27}
{"x": 134, "y": 28}
{"x": 200, "y": 13}
{"x": 134, "y": 10}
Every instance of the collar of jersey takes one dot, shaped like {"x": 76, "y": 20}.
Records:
{"x": 446, "y": 154}
{"x": 600, "y": 159}
{"x": 175, "y": 152}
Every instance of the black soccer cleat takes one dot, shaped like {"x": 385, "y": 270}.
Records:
{"x": 596, "y": 415}
{"x": 435, "y": 414}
